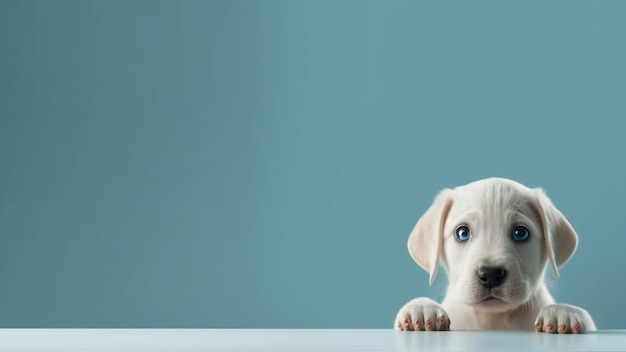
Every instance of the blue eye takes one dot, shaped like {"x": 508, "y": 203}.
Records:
{"x": 462, "y": 233}
{"x": 520, "y": 233}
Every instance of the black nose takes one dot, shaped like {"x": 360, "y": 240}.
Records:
{"x": 491, "y": 277}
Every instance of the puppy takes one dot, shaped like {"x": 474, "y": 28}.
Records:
{"x": 493, "y": 237}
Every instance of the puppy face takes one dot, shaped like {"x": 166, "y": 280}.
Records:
{"x": 493, "y": 227}
{"x": 493, "y": 238}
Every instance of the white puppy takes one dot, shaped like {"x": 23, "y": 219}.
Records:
{"x": 493, "y": 237}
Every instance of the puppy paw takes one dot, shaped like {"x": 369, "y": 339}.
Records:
{"x": 564, "y": 319}
{"x": 422, "y": 314}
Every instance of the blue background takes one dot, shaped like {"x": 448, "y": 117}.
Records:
{"x": 261, "y": 163}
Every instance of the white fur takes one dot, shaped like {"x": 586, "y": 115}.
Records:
{"x": 491, "y": 209}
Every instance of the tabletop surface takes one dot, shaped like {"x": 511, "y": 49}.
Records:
{"x": 182, "y": 340}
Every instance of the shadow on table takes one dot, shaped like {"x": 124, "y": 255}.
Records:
{"x": 494, "y": 341}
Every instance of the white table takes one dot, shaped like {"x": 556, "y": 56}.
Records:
{"x": 182, "y": 340}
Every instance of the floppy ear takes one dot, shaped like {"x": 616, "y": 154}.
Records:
{"x": 560, "y": 238}
{"x": 426, "y": 239}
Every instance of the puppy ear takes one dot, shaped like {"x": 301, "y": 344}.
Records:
{"x": 426, "y": 239}
{"x": 560, "y": 238}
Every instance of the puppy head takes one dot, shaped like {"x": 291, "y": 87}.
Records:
{"x": 492, "y": 224}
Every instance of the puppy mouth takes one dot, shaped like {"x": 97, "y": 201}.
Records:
{"x": 503, "y": 297}
{"x": 492, "y": 300}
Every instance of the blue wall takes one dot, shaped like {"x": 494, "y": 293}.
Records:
{"x": 261, "y": 163}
